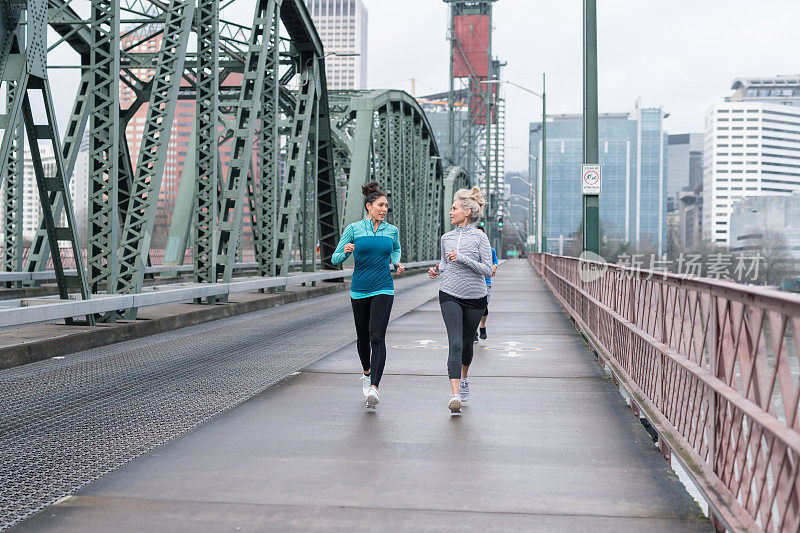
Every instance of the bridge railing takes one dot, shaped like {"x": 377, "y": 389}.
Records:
{"x": 715, "y": 368}
{"x": 47, "y": 310}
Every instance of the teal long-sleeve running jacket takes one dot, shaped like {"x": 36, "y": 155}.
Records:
{"x": 375, "y": 252}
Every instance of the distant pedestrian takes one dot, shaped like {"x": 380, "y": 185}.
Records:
{"x": 483, "y": 335}
{"x": 465, "y": 263}
{"x": 375, "y": 246}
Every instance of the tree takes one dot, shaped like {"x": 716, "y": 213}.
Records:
{"x": 777, "y": 262}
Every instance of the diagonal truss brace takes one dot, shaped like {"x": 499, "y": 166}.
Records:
{"x": 297, "y": 152}
{"x": 138, "y": 226}
{"x": 232, "y": 201}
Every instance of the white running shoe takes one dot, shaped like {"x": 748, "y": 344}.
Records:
{"x": 455, "y": 404}
{"x": 365, "y": 384}
{"x": 463, "y": 389}
{"x": 373, "y": 398}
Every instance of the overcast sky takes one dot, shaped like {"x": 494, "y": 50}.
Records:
{"x": 682, "y": 55}
{"x": 678, "y": 54}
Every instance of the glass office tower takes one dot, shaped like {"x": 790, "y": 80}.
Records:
{"x": 633, "y": 152}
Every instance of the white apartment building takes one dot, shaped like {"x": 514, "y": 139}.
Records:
{"x": 31, "y": 206}
{"x": 752, "y": 148}
{"x": 342, "y": 26}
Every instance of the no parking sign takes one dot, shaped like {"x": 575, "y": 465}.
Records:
{"x": 591, "y": 179}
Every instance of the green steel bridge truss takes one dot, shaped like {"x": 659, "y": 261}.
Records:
{"x": 298, "y": 154}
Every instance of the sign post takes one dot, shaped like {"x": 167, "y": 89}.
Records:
{"x": 591, "y": 179}
{"x": 591, "y": 147}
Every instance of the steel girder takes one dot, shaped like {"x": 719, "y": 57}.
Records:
{"x": 13, "y": 193}
{"x": 232, "y": 201}
{"x": 205, "y": 148}
{"x": 28, "y": 69}
{"x": 393, "y": 144}
{"x": 13, "y": 167}
{"x": 104, "y": 146}
{"x": 137, "y": 229}
{"x": 297, "y": 152}
{"x": 324, "y": 142}
{"x": 265, "y": 198}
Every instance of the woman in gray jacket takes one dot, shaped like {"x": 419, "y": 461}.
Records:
{"x": 466, "y": 261}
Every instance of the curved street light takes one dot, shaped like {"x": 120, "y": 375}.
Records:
{"x": 543, "y": 192}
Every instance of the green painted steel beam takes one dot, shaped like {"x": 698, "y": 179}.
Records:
{"x": 103, "y": 146}
{"x": 204, "y": 147}
{"x": 138, "y": 227}
{"x": 232, "y": 200}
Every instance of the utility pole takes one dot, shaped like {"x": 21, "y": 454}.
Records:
{"x": 591, "y": 151}
{"x": 451, "y": 113}
{"x": 544, "y": 166}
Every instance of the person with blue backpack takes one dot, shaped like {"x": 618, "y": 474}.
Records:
{"x": 375, "y": 247}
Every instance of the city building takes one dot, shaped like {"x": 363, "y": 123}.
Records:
{"x": 78, "y": 189}
{"x": 752, "y": 148}
{"x": 31, "y": 205}
{"x": 342, "y": 26}
{"x": 179, "y": 136}
{"x": 690, "y": 218}
{"x": 754, "y": 216}
{"x": 633, "y": 152}
{"x": 684, "y": 165}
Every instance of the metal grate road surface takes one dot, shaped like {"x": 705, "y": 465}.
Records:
{"x": 68, "y": 422}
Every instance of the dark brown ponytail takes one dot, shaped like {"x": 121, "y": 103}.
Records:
{"x": 371, "y": 192}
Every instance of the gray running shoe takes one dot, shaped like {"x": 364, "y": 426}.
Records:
{"x": 463, "y": 389}
{"x": 373, "y": 398}
{"x": 365, "y": 385}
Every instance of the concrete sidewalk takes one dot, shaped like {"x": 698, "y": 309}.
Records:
{"x": 545, "y": 443}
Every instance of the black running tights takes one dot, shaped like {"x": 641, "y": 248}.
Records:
{"x": 372, "y": 316}
{"x": 461, "y": 323}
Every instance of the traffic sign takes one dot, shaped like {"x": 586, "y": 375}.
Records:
{"x": 591, "y": 179}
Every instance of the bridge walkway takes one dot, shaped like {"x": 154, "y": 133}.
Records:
{"x": 545, "y": 443}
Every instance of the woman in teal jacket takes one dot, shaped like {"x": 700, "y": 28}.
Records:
{"x": 375, "y": 246}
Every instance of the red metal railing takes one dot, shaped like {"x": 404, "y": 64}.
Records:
{"x": 713, "y": 365}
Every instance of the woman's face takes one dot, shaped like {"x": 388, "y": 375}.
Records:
{"x": 458, "y": 213}
{"x": 377, "y": 210}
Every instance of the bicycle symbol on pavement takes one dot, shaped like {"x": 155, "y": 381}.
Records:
{"x": 512, "y": 349}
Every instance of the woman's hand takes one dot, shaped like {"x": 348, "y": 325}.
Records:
{"x": 494, "y": 269}
{"x": 399, "y": 268}
{"x": 452, "y": 255}
{"x": 349, "y": 247}
{"x": 433, "y": 272}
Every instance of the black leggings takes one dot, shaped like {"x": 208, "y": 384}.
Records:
{"x": 372, "y": 316}
{"x": 461, "y": 323}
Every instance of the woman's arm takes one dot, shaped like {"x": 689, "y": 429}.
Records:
{"x": 395, "y": 257}
{"x": 339, "y": 256}
{"x": 443, "y": 261}
{"x": 484, "y": 265}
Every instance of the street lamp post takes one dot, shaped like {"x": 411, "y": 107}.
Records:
{"x": 531, "y": 184}
{"x": 543, "y": 192}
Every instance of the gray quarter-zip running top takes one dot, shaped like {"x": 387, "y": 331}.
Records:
{"x": 466, "y": 276}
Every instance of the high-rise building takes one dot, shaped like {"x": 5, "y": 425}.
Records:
{"x": 752, "y": 148}
{"x": 31, "y": 206}
{"x": 179, "y": 135}
{"x": 685, "y": 165}
{"x": 633, "y": 152}
{"x": 342, "y": 26}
